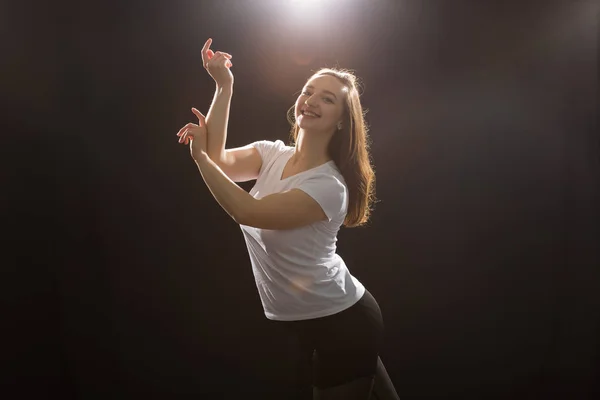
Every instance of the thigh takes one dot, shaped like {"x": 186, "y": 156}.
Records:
{"x": 348, "y": 343}
{"x": 301, "y": 349}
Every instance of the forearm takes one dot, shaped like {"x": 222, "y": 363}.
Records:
{"x": 232, "y": 198}
{"x": 217, "y": 120}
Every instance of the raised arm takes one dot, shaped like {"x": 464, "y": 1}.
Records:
{"x": 239, "y": 164}
{"x": 217, "y": 120}
{"x": 217, "y": 64}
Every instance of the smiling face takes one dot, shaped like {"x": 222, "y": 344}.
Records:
{"x": 321, "y": 104}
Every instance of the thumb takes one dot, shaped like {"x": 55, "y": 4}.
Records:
{"x": 200, "y": 116}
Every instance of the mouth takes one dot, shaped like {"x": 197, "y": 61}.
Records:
{"x": 309, "y": 114}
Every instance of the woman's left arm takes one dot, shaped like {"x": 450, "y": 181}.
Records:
{"x": 232, "y": 198}
{"x": 286, "y": 210}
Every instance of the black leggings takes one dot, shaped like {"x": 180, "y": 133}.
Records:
{"x": 339, "y": 348}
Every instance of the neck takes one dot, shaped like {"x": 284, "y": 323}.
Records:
{"x": 311, "y": 149}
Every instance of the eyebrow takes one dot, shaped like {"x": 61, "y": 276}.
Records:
{"x": 326, "y": 91}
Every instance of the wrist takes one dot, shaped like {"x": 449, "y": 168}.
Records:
{"x": 201, "y": 157}
{"x": 225, "y": 88}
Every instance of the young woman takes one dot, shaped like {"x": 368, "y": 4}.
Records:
{"x": 290, "y": 220}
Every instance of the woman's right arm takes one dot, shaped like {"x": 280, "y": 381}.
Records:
{"x": 239, "y": 164}
{"x": 216, "y": 122}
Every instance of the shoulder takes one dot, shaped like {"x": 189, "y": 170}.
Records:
{"x": 329, "y": 189}
{"x": 329, "y": 181}
{"x": 269, "y": 151}
{"x": 332, "y": 177}
{"x": 267, "y": 147}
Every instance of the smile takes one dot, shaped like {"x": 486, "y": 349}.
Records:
{"x": 310, "y": 114}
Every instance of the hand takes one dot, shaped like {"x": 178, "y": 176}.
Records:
{"x": 217, "y": 64}
{"x": 195, "y": 135}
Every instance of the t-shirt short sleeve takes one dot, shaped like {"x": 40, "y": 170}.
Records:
{"x": 329, "y": 191}
{"x": 267, "y": 150}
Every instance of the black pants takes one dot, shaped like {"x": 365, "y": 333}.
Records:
{"x": 339, "y": 348}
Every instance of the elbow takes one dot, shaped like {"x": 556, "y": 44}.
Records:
{"x": 221, "y": 159}
{"x": 217, "y": 158}
{"x": 239, "y": 220}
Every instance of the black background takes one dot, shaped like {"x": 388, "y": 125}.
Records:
{"x": 124, "y": 278}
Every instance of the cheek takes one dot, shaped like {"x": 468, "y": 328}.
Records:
{"x": 335, "y": 113}
{"x": 340, "y": 113}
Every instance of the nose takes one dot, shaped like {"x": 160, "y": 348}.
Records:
{"x": 309, "y": 101}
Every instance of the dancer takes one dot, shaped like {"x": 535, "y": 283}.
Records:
{"x": 290, "y": 219}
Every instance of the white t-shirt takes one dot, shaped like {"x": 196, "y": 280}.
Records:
{"x": 297, "y": 271}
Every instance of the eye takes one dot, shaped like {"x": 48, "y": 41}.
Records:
{"x": 326, "y": 99}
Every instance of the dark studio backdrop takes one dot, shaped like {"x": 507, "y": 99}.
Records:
{"x": 124, "y": 277}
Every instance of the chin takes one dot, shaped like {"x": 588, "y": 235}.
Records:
{"x": 312, "y": 123}
{"x": 307, "y": 125}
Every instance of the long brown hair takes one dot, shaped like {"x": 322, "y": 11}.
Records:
{"x": 349, "y": 149}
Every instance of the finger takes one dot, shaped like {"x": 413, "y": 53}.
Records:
{"x": 186, "y": 134}
{"x": 229, "y": 64}
{"x": 226, "y": 55}
{"x": 215, "y": 60}
{"x": 207, "y": 45}
{"x": 197, "y": 113}
{"x": 184, "y": 127}
{"x": 209, "y": 56}
{"x": 182, "y": 136}
{"x": 205, "y": 50}
{"x": 187, "y": 126}
{"x": 201, "y": 117}
{"x": 224, "y": 62}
